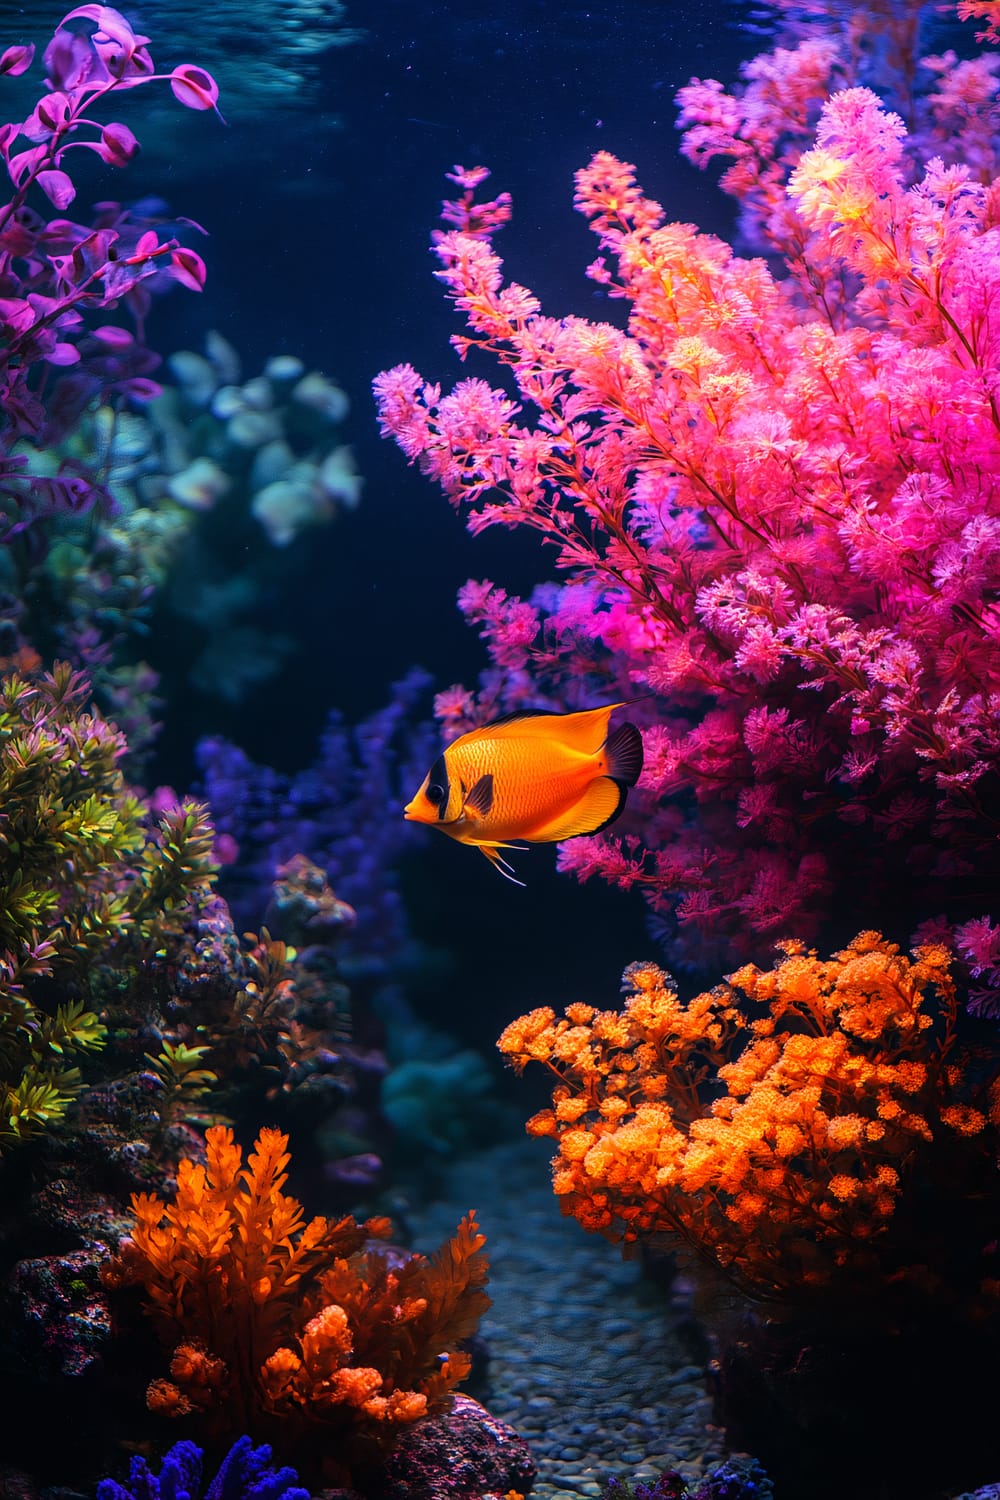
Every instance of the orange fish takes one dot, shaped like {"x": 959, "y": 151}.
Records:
{"x": 534, "y": 776}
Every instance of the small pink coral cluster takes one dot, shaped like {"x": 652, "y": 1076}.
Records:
{"x": 774, "y": 500}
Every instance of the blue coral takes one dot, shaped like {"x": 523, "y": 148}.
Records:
{"x": 734, "y": 1479}
{"x": 246, "y": 1473}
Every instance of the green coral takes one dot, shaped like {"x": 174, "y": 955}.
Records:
{"x": 83, "y": 875}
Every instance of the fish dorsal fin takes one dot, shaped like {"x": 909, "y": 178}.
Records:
{"x": 585, "y": 731}
{"x": 624, "y": 753}
{"x": 600, "y": 805}
{"x": 480, "y": 799}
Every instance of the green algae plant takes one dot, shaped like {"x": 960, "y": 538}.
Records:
{"x": 84, "y": 874}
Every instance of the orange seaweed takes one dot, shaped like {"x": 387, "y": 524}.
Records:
{"x": 277, "y": 1320}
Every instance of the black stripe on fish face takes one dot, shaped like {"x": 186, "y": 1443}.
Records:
{"x": 438, "y": 787}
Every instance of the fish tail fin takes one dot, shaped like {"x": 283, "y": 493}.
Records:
{"x": 624, "y": 754}
{"x": 496, "y": 859}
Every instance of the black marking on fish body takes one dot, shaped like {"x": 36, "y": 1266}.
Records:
{"x": 438, "y": 787}
{"x": 480, "y": 799}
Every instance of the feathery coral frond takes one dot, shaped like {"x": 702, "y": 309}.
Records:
{"x": 272, "y": 1316}
{"x": 779, "y": 1148}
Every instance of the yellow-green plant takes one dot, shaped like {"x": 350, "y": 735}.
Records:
{"x": 185, "y": 1081}
{"x": 85, "y": 874}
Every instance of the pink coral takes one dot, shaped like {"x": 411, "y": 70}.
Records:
{"x": 775, "y": 505}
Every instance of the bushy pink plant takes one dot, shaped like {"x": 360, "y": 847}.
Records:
{"x": 774, "y": 497}
{"x": 57, "y": 274}
{"x": 765, "y": 123}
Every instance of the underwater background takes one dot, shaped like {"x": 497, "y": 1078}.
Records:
{"x": 330, "y": 192}
{"x": 748, "y": 496}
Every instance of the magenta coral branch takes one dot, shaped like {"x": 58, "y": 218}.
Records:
{"x": 773, "y": 498}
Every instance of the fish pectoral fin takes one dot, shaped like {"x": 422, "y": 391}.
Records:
{"x": 496, "y": 859}
{"x": 600, "y": 805}
{"x": 479, "y": 800}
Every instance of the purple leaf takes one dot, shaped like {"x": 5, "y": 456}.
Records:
{"x": 113, "y": 336}
{"x": 16, "y": 314}
{"x": 85, "y": 13}
{"x": 63, "y": 354}
{"x": 117, "y": 145}
{"x": 141, "y": 389}
{"x": 188, "y": 268}
{"x": 120, "y": 277}
{"x": 148, "y": 244}
{"x": 57, "y": 187}
{"x": 49, "y": 118}
{"x": 112, "y": 27}
{"x": 45, "y": 307}
{"x": 17, "y": 60}
{"x": 194, "y": 87}
{"x": 71, "y": 63}
{"x": 24, "y": 163}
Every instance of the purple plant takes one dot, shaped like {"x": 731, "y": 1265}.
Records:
{"x": 55, "y": 274}
{"x": 344, "y": 812}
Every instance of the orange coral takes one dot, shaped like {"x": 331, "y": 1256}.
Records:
{"x": 775, "y": 1146}
{"x": 269, "y": 1315}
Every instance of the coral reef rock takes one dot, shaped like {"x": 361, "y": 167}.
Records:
{"x": 56, "y": 1313}
{"x": 459, "y": 1455}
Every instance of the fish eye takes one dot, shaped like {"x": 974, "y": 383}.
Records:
{"x": 435, "y": 793}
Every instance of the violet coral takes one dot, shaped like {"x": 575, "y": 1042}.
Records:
{"x": 272, "y": 1318}
{"x": 246, "y": 1473}
{"x": 795, "y": 1151}
{"x": 774, "y": 503}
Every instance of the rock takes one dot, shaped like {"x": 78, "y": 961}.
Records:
{"x": 339, "y": 479}
{"x": 223, "y": 357}
{"x": 250, "y": 429}
{"x": 17, "y": 1484}
{"x": 284, "y": 367}
{"x": 286, "y": 507}
{"x": 56, "y": 1314}
{"x": 195, "y": 376}
{"x": 458, "y": 1455}
{"x": 322, "y": 396}
{"x": 199, "y": 485}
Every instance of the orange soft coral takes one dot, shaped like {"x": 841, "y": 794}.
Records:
{"x": 272, "y": 1317}
{"x": 774, "y": 1147}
